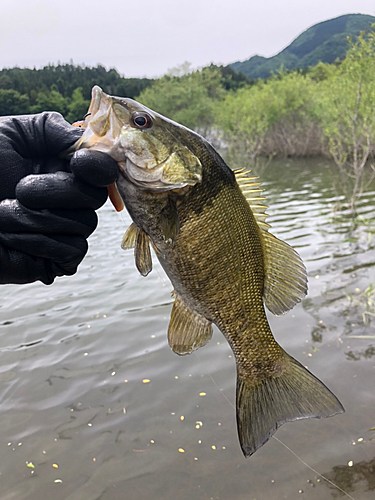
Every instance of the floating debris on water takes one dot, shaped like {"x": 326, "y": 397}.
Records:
{"x": 89, "y": 424}
{"x": 182, "y": 418}
{"x": 213, "y": 447}
{"x": 181, "y": 450}
{"x": 55, "y": 466}
{"x": 30, "y": 465}
{"x": 351, "y": 463}
{"x": 57, "y": 481}
{"x": 113, "y": 373}
{"x": 146, "y": 380}
{"x": 202, "y": 393}
{"x": 360, "y": 440}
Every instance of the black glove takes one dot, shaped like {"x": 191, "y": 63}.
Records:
{"x": 47, "y": 203}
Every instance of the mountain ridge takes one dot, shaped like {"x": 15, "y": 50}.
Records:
{"x": 325, "y": 41}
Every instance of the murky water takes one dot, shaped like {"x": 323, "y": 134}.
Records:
{"x": 78, "y": 421}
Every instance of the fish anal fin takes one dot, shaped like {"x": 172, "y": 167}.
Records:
{"x": 142, "y": 253}
{"x": 285, "y": 281}
{"x": 263, "y": 406}
{"x": 129, "y": 238}
{"x": 187, "y": 329}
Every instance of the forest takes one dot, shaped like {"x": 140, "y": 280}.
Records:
{"x": 327, "y": 109}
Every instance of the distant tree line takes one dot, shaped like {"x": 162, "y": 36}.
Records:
{"x": 65, "y": 88}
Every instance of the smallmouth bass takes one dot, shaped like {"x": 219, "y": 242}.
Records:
{"x": 207, "y": 227}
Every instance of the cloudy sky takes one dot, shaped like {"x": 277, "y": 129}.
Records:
{"x": 147, "y": 37}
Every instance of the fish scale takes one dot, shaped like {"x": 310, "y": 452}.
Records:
{"x": 207, "y": 227}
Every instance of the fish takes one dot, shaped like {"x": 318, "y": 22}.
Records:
{"x": 207, "y": 227}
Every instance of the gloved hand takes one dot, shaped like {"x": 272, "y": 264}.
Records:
{"x": 47, "y": 203}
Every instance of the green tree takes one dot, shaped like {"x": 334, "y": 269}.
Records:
{"x": 77, "y": 107}
{"x": 279, "y": 110}
{"x": 51, "y": 100}
{"x": 187, "y": 99}
{"x": 347, "y": 112}
{"x": 13, "y": 103}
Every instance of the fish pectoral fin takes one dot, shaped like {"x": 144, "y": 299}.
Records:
{"x": 285, "y": 282}
{"x": 264, "y": 405}
{"x": 142, "y": 252}
{"x": 187, "y": 329}
{"x": 170, "y": 222}
{"x": 129, "y": 238}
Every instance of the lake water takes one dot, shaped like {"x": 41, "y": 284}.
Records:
{"x": 78, "y": 421}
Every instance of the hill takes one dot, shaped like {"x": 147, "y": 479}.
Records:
{"x": 326, "y": 42}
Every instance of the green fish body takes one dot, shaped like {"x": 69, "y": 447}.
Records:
{"x": 207, "y": 227}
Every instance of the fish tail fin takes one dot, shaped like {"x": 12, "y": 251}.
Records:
{"x": 263, "y": 405}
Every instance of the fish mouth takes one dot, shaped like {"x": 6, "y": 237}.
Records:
{"x": 149, "y": 179}
{"x": 96, "y": 97}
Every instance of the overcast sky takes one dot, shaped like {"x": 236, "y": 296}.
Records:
{"x": 147, "y": 37}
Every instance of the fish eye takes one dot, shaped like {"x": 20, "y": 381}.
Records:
{"x": 141, "y": 120}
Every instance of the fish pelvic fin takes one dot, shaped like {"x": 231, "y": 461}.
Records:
{"x": 188, "y": 330}
{"x": 264, "y": 405}
{"x": 130, "y": 237}
{"x": 135, "y": 238}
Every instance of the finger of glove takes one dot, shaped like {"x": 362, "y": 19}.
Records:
{"x": 66, "y": 252}
{"x": 48, "y": 134}
{"x": 94, "y": 167}
{"x": 20, "y": 268}
{"x": 59, "y": 190}
{"x": 16, "y": 218}
{"x": 42, "y": 134}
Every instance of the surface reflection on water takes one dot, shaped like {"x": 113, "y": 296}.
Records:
{"x": 74, "y": 358}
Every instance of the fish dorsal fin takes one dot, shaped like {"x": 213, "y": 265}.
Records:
{"x": 285, "y": 282}
{"x": 252, "y": 193}
{"x": 135, "y": 238}
{"x": 142, "y": 253}
{"x": 187, "y": 329}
